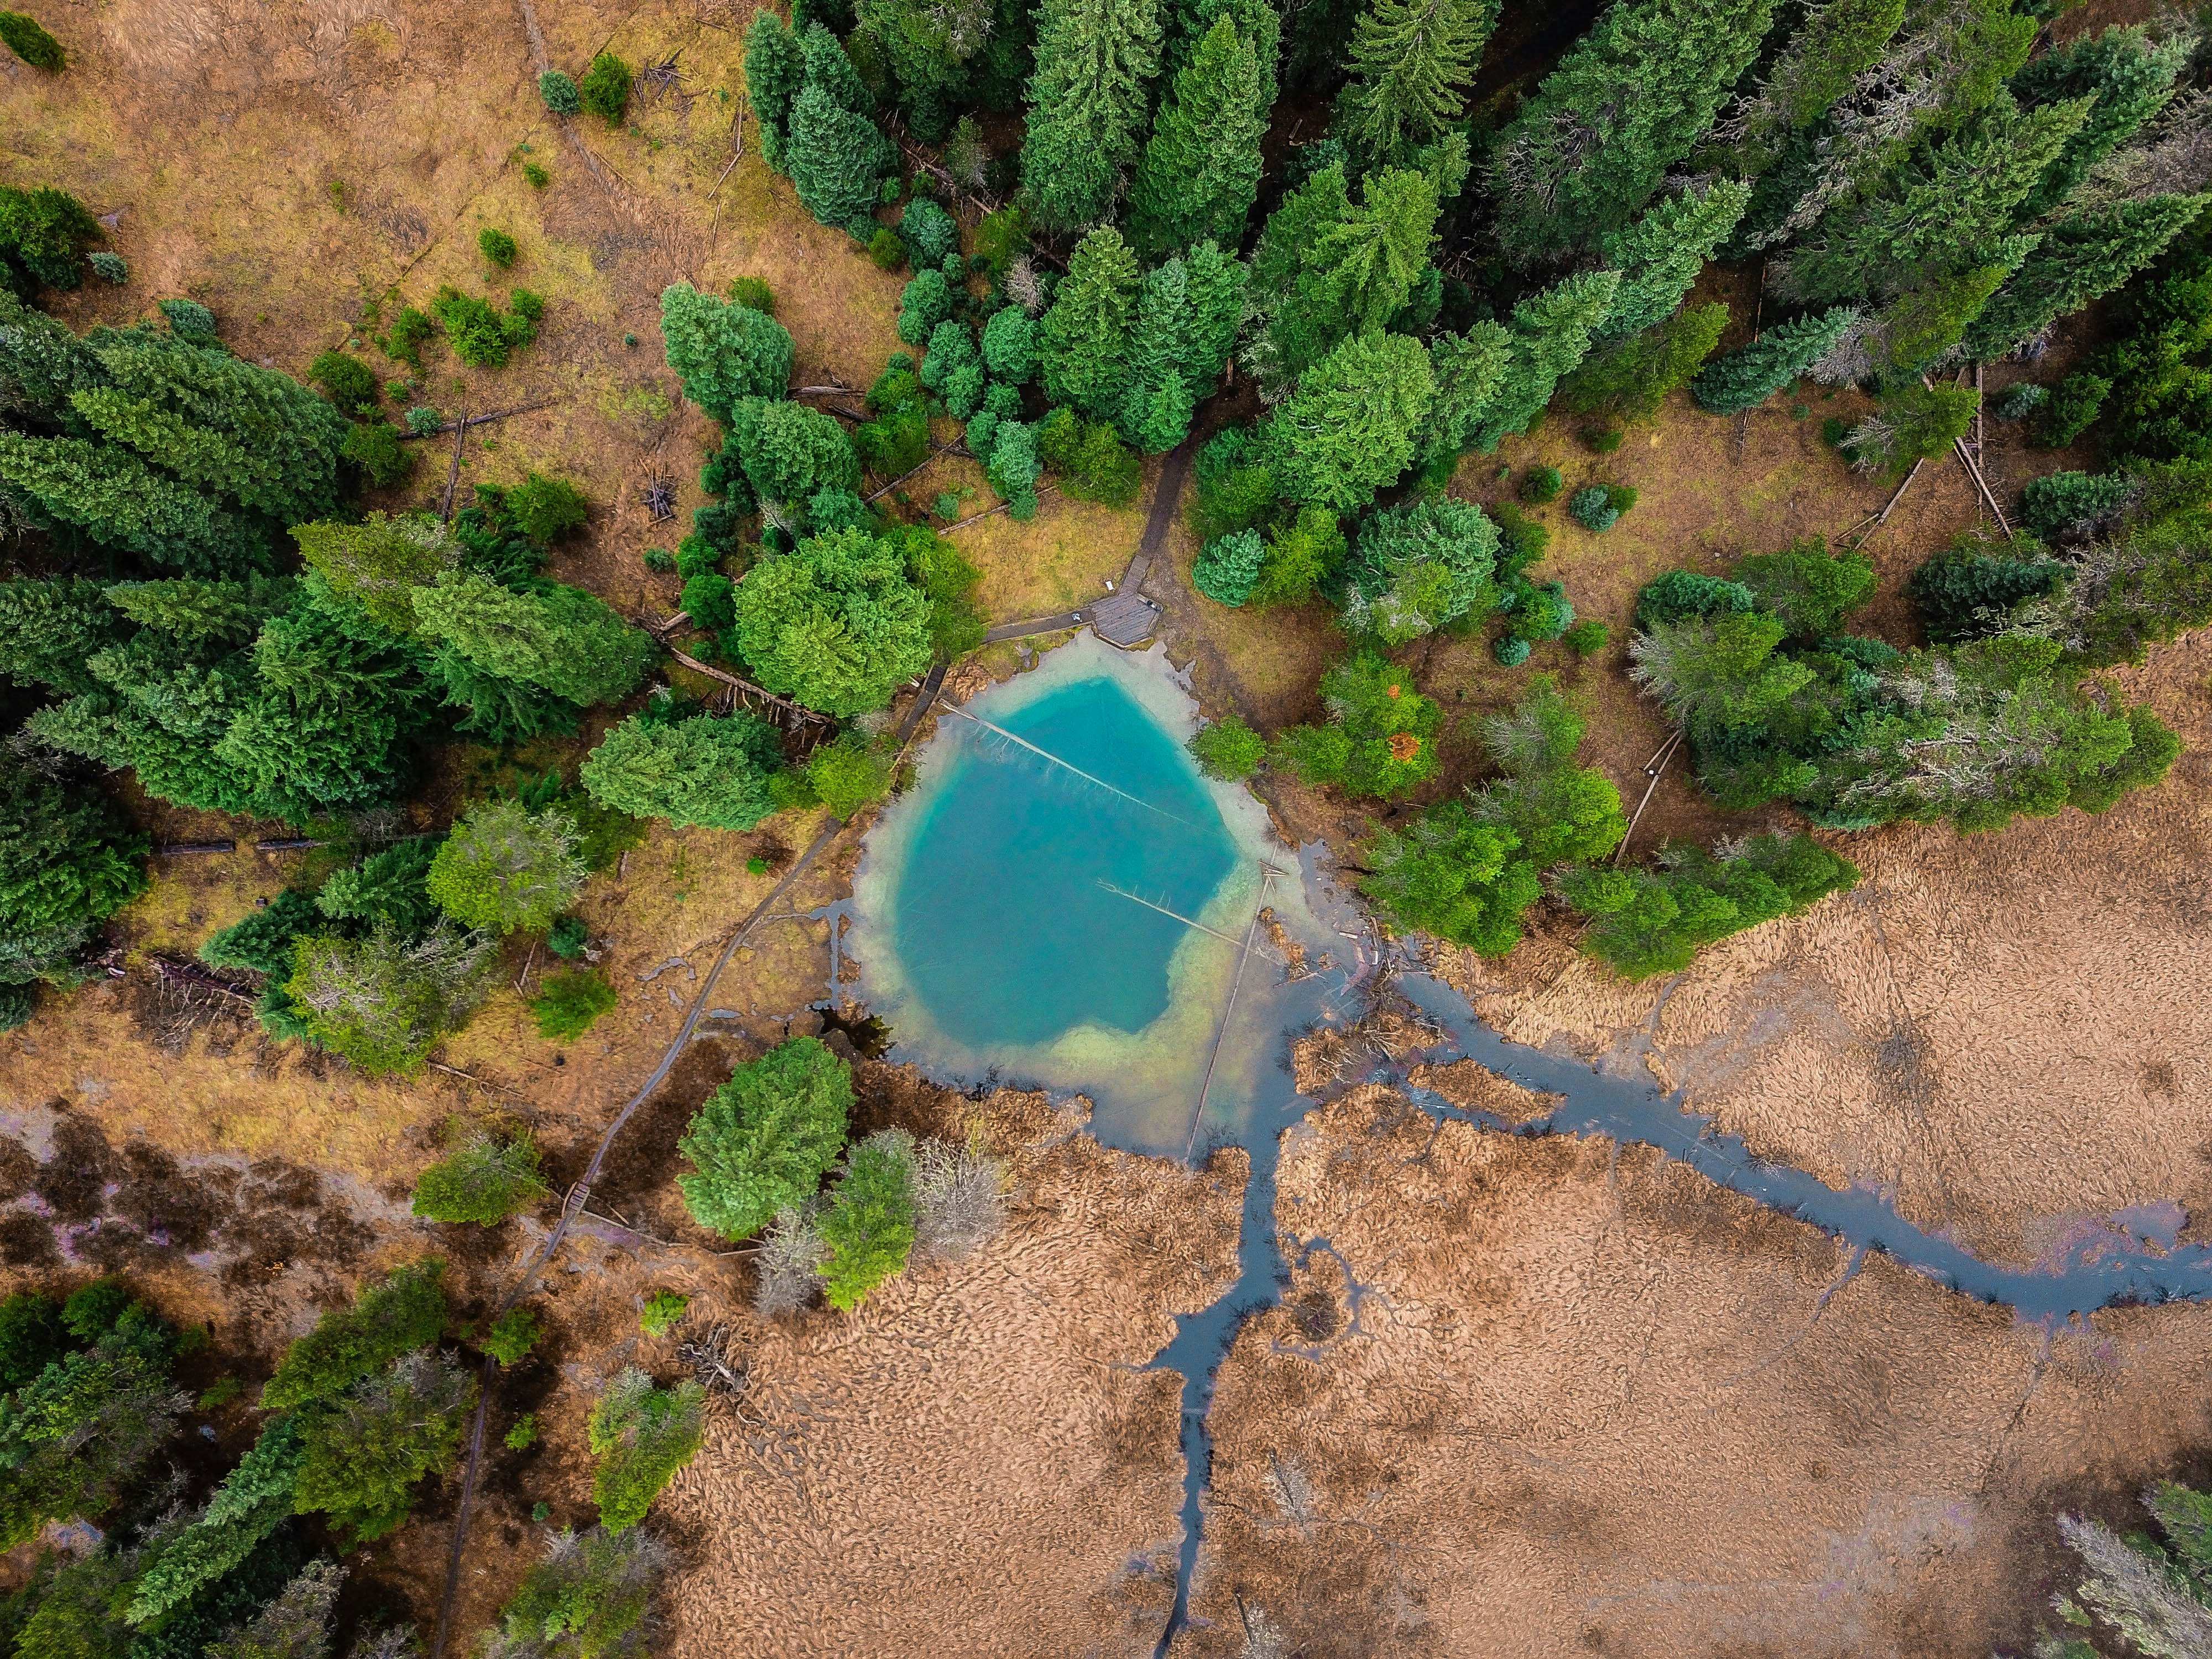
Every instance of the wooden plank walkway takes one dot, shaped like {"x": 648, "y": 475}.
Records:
{"x": 1125, "y": 618}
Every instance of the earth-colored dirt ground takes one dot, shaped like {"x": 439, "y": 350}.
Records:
{"x": 1586, "y": 1404}
{"x": 1577, "y": 1400}
{"x": 978, "y": 1463}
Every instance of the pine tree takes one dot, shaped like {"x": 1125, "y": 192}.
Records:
{"x": 1200, "y": 173}
{"x": 703, "y": 770}
{"x": 119, "y": 500}
{"x": 723, "y": 352}
{"x": 259, "y": 439}
{"x": 1955, "y": 199}
{"x": 1469, "y": 369}
{"x": 1633, "y": 97}
{"x": 1550, "y": 334}
{"x": 765, "y": 1137}
{"x": 1659, "y": 256}
{"x": 1213, "y": 282}
{"x": 790, "y": 453}
{"x": 1750, "y": 374}
{"x": 334, "y": 703}
{"x": 834, "y": 623}
{"x": 50, "y": 630}
{"x": 929, "y": 47}
{"x": 775, "y": 68}
{"x": 1083, "y": 341}
{"x": 378, "y": 564}
{"x": 1328, "y": 268}
{"x": 229, "y": 612}
{"x": 1095, "y": 59}
{"x": 1834, "y": 45}
{"x": 1412, "y": 63}
{"x": 2079, "y": 260}
{"x": 563, "y": 639}
{"x": 836, "y": 158}
{"x": 2131, "y": 78}
{"x": 1157, "y": 408}
{"x": 68, "y": 859}
{"x": 1348, "y": 430}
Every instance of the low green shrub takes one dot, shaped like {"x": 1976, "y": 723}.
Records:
{"x": 403, "y": 342}
{"x": 374, "y": 447}
{"x": 1228, "y": 749}
{"x": 497, "y": 246}
{"x": 346, "y": 381}
{"x": 641, "y": 1435}
{"x": 1592, "y": 507}
{"x": 522, "y": 1434}
{"x": 485, "y": 1180}
{"x": 1539, "y": 484}
{"x": 113, "y": 266}
{"x": 663, "y": 1312}
{"x": 605, "y": 91}
{"x": 571, "y": 1003}
{"x": 885, "y": 251}
{"x": 23, "y": 36}
{"x": 568, "y": 937}
{"x": 535, "y": 176}
{"x": 1604, "y": 439}
{"x": 1586, "y": 638}
{"x": 2072, "y": 408}
{"x": 424, "y": 422}
{"x": 753, "y": 293}
{"x": 513, "y": 1335}
{"x": 848, "y": 774}
{"x": 659, "y": 560}
{"x": 189, "y": 321}
{"x": 2020, "y": 401}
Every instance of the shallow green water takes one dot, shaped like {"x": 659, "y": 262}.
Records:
{"x": 1005, "y": 923}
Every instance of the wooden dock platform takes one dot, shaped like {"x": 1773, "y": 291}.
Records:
{"x": 1127, "y": 618}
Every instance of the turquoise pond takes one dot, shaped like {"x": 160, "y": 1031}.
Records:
{"x": 1062, "y": 901}
{"x": 1012, "y": 921}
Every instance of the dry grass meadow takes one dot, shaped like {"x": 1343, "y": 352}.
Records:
{"x": 1586, "y": 1402}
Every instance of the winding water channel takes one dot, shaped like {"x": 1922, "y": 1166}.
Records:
{"x": 1114, "y": 907}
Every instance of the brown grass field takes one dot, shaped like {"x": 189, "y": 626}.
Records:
{"x": 1585, "y": 1403}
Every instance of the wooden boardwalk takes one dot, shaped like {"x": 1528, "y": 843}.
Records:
{"x": 1125, "y": 618}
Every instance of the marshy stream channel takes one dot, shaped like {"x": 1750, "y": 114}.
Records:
{"x": 1063, "y": 901}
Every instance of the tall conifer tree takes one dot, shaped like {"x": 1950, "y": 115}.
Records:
{"x": 1215, "y": 284}
{"x": 1413, "y": 61}
{"x": 1348, "y": 430}
{"x": 1156, "y": 409}
{"x": 1095, "y": 61}
{"x": 1550, "y": 334}
{"x": 1750, "y": 374}
{"x": 1083, "y": 343}
{"x": 1954, "y": 202}
{"x": 2078, "y": 261}
{"x": 1659, "y": 256}
{"x": 1630, "y": 100}
{"x": 1201, "y": 169}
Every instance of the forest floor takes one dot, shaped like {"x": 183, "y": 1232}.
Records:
{"x": 1583, "y": 1387}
